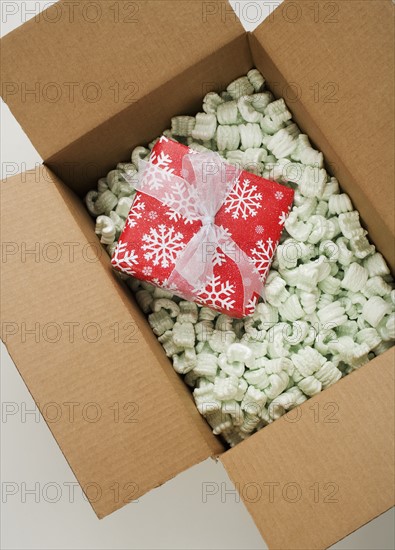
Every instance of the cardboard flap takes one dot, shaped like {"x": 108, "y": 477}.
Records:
{"x": 123, "y": 418}
{"x": 333, "y": 63}
{"x": 79, "y": 63}
{"x": 327, "y": 467}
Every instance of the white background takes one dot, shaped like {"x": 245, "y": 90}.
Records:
{"x": 172, "y": 516}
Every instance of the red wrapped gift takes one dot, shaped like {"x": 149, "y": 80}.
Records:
{"x": 202, "y": 228}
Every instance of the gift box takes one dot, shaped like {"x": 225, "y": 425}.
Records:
{"x": 167, "y": 240}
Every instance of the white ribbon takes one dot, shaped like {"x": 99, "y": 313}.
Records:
{"x": 198, "y": 195}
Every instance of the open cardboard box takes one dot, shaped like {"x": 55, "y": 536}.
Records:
{"x": 318, "y": 473}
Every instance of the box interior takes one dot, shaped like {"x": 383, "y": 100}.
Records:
{"x": 77, "y": 70}
{"x": 345, "y": 106}
{"x": 173, "y": 429}
{"x": 97, "y": 152}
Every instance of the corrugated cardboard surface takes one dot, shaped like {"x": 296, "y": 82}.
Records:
{"x": 95, "y": 153}
{"x": 87, "y": 64}
{"x": 326, "y": 468}
{"x": 76, "y": 337}
{"x": 334, "y": 64}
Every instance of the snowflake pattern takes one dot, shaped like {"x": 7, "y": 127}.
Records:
{"x": 259, "y": 229}
{"x": 282, "y": 218}
{"x": 185, "y": 198}
{"x": 172, "y": 287}
{"x": 147, "y": 271}
{"x": 158, "y": 173}
{"x": 250, "y": 307}
{"x": 217, "y": 293}
{"x": 279, "y": 195}
{"x": 218, "y": 257}
{"x": 175, "y": 216}
{"x": 136, "y": 213}
{"x": 161, "y": 160}
{"x": 153, "y": 215}
{"x": 228, "y": 248}
{"x": 243, "y": 200}
{"x": 262, "y": 256}
{"x": 162, "y": 245}
{"x": 124, "y": 259}
{"x": 165, "y": 285}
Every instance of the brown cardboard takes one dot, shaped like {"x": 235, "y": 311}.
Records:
{"x": 118, "y": 54}
{"x": 158, "y": 436}
{"x": 320, "y": 472}
{"x": 170, "y": 435}
{"x": 95, "y": 153}
{"x": 335, "y": 67}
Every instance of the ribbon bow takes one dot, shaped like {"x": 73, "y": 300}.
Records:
{"x": 198, "y": 195}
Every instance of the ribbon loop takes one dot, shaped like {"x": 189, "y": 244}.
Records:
{"x": 198, "y": 196}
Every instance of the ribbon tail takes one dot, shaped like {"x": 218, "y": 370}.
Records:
{"x": 195, "y": 265}
{"x": 248, "y": 273}
{"x": 252, "y": 282}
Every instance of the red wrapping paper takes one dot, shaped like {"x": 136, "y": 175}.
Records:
{"x": 254, "y": 213}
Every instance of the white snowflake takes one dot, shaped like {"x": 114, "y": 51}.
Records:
{"x": 153, "y": 215}
{"x": 182, "y": 199}
{"x": 162, "y": 245}
{"x": 250, "y": 307}
{"x": 217, "y": 293}
{"x": 279, "y": 195}
{"x": 227, "y": 247}
{"x": 161, "y": 160}
{"x": 136, "y": 213}
{"x": 163, "y": 139}
{"x": 219, "y": 257}
{"x": 122, "y": 256}
{"x": 175, "y": 216}
{"x": 262, "y": 256}
{"x": 223, "y": 233}
{"x": 167, "y": 286}
{"x": 282, "y": 218}
{"x": 158, "y": 174}
{"x": 147, "y": 271}
{"x": 243, "y": 200}
{"x": 259, "y": 229}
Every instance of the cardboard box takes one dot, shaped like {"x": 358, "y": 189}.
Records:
{"x": 308, "y": 480}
